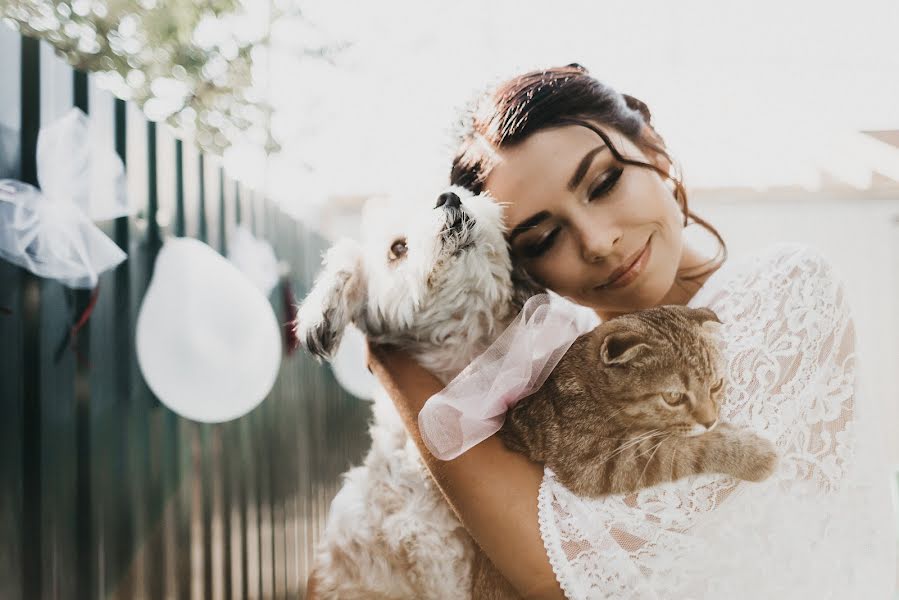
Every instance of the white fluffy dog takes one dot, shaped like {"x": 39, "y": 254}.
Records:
{"x": 437, "y": 281}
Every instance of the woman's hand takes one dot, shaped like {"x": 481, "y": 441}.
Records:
{"x": 492, "y": 489}
{"x": 404, "y": 379}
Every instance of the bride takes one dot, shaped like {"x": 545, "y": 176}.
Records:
{"x": 596, "y": 212}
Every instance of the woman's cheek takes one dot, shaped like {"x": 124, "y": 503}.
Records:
{"x": 564, "y": 277}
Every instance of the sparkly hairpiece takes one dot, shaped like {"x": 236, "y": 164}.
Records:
{"x": 474, "y": 106}
{"x": 464, "y": 133}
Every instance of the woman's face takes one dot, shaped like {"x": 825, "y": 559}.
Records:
{"x": 577, "y": 218}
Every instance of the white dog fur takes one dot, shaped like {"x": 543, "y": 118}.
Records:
{"x": 390, "y": 534}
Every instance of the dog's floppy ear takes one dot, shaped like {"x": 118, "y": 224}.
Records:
{"x": 523, "y": 287}
{"x": 336, "y": 299}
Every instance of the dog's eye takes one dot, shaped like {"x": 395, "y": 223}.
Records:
{"x": 398, "y": 250}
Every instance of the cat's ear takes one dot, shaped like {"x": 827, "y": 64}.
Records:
{"x": 701, "y": 315}
{"x": 705, "y": 317}
{"x": 621, "y": 347}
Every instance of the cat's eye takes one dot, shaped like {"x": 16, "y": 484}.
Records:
{"x": 675, "y": 398}
{"x": 717, "y": 387}
{"x": 398, "y": 250}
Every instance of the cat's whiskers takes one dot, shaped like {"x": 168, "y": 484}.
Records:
{"x": 609, "y": 418}
{"x": 625, "y": 435}
{"x": 633, "y": 442}
{"x": 654, "y": 446}
{"x": 674, "y": 460}
{"x": 639, "y": 438}
{"x": 649, "y": 460}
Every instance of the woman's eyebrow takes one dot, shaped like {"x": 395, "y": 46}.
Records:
{"x": 582, "y": 168}
{"x": 528, "y": 223}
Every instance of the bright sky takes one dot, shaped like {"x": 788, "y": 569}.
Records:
{"x": 746, "y": 94}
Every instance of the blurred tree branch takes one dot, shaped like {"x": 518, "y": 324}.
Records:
{"x": 189, "y": 63}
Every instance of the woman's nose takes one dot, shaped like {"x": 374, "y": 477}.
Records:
{"x": 597, "y": 243}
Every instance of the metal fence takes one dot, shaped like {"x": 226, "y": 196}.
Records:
{"x": 104, "y": 492}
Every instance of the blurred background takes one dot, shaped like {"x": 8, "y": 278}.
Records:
{"x": 284, "y": 117}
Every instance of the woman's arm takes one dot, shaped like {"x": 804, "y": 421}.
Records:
{"x": 492, "y": 490}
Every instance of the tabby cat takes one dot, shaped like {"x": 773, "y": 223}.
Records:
{"x": 633, "y": 403}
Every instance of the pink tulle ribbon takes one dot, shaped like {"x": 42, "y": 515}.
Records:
{"x": 473, "y": 406}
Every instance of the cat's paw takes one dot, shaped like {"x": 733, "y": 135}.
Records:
{"x": 759, "y": 460}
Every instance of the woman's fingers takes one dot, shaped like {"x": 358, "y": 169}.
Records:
{"x": 376, "y": 355}
{"x": 391, "y": 358}
{"x": 406, "y": 381}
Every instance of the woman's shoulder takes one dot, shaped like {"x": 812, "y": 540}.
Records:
{"x": 781, "y": 259}
{"x": 792, "y": 255}
{"x": 803, "y": 269}
{"x": 782, "y": 266}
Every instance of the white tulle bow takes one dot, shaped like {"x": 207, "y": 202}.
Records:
{"x": 472, "y": 407}
{"x": 50, "y": 231}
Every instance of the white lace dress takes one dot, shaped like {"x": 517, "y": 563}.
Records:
{"x": 820, "y": 527}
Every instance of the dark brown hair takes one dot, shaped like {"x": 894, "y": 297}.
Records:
{"x": 513, "y": 110}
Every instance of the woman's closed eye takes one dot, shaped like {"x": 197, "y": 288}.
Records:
{"x": 607, "y": 184}
{"x": 542, "y": 244}
{"x": 535, "y": 249}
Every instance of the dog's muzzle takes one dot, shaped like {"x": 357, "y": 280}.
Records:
{"x": 457, "y": 218}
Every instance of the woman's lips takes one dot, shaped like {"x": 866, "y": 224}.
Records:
{"x": 632, "y": 272}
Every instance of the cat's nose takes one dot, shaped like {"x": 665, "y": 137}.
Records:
{"x": 448, "y": 200}
{"x": 709, "y": 424}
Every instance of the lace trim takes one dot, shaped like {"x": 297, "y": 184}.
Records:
{"x": 550, "y": 534}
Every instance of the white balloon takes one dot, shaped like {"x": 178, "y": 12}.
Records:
{"x": 349, "y": 367}
{"x": 207, "y": 340}
{"x": 255, "y": 258}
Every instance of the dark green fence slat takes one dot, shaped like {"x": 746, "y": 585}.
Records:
{"x": 16, "y": 519}
{"x": 222, "y": 220}
{"x": 80, "y": 344}
{"x": 202, "y": 229}
{"x": 238, "y": 212}
{"x": 180, "y": 223}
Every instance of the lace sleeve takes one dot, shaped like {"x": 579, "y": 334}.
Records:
{"x": 789, "y": 343}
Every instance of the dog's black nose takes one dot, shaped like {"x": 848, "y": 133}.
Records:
{"x": 449, "y": 199}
